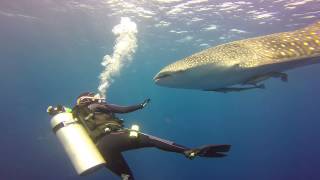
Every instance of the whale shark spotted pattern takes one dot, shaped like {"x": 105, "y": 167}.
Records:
{"x": 285, "y": 46}
{"x": 244, "y": 61}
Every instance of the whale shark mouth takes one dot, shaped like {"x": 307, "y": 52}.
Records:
{"x": 161, "y": 76}
{"x": 164, "y": 75}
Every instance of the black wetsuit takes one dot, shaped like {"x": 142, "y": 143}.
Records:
{"x": 112, "y": 144}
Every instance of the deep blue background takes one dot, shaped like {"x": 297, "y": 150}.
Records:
{"x": 274, "y": 132}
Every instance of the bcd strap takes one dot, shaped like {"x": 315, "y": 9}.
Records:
{"x": 78, "y": 112}
{"x": 63, "y": 124}
{"x": 57, "y": 127}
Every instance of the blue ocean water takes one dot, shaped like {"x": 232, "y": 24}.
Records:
{"x": 51, "y": 51}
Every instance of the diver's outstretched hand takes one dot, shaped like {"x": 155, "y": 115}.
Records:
{"x": 146, "y": 102}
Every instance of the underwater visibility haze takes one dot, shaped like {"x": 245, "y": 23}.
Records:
{"x": 53, "y": 50}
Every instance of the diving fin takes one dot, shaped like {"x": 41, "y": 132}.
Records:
{"x": 208, "y": 151}
{"x": 214, "y": 150}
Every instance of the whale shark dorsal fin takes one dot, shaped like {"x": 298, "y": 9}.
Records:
{"x": 313, "y": 29}
{"x": 314, "y": 26}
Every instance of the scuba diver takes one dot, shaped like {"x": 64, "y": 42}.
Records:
{"x": 111, "y": 138}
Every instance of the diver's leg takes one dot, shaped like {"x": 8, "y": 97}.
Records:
{"x": 122, "y": 142}
{"x": 109, "y": 147}
{"x": 118, "y": 165}
{"x": 204, "y": 151}
{"x": 152, "y": 141}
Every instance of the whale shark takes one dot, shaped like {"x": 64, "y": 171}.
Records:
{"x": 245, "y": 63}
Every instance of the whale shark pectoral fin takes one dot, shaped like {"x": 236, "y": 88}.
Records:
{"x": 256, "y": 79}
{"x": 222, "y": 90}
{"x": 236, "y": 66}
{"x": 236, "y": 89}
{"x": 281, "y": 75}
{"x": 216, "y": 90}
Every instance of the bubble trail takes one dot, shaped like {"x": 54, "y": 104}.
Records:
{"x": 123, "y": 50}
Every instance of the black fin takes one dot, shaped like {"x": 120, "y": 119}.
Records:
{"x": 214, "y": 150}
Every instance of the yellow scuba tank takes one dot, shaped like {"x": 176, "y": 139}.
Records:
{"x": 80, "y": 148}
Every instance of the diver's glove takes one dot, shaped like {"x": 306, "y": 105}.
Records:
{"x": 145, "y": 102}
{"x": 191, "y": 153}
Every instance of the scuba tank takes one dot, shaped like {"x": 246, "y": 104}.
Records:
{"x": 78, "y": 145}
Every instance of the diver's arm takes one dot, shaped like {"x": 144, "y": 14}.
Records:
{"x": 123, "y": 109}
{"x": 112, "y": 108}
{"x": 126, "y": 109}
